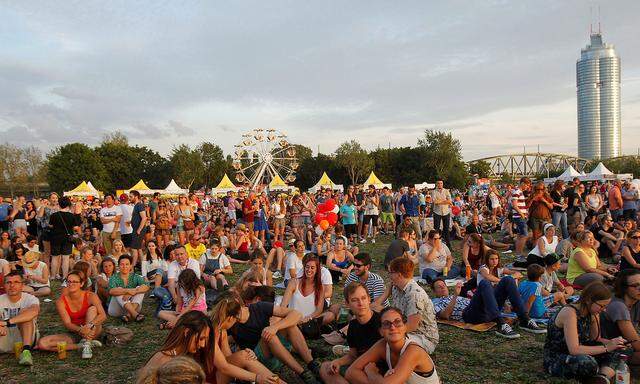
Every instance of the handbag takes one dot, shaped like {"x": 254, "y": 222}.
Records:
{"x": 69, "y": 236}
{"x": 311, "y": 329}
{"x": 187, "y": 224}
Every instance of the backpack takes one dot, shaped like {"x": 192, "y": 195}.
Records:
{"x": 117, "y": 336}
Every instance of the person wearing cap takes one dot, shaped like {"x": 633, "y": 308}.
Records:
{"x": 110, "y": 216}
{"x": 545, "y": 245}
{"x": 36, "y": 275}
{"x": 551, "y": 284}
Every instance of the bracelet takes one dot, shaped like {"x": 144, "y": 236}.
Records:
{"x": 605, "y": 349}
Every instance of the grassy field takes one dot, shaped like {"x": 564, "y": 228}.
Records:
{"x": 461, "y": 356}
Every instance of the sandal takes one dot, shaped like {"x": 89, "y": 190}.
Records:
{"x": 162, "y": 326}
{"x": 140, "y": 318}
{"x": 125, "y": 319}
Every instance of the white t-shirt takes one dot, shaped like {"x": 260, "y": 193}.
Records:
{"x": 38, "y": 271}
{"x": 150, "y": 265}
{"x": 292, "y": 262}
{"x": 127, "y": 212}
{"x": 175, "y": 269}
{"x": 222, "y": 259}
{"x": 9, "y": 310}
{"x": 110, "y": 213}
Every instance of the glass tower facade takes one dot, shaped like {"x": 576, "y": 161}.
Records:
{"x": 598, "y": 83}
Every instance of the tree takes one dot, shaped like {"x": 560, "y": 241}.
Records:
{"x": 444, "y": 155}
{"x": 70, "y": 164}
{"x": 13, "y": 166}
{"x": 121, "y": 162}
{"x": 116, "y": 137}
{"x": 354, "y": 159}
{"x": 302, "y": 152}
{"x": 480, "y": 168}
{"x": 188, "y": 166}
{"x": 213, "y": 162}
{"x": 33, "y": 166}
{"x": 153, "y": 168}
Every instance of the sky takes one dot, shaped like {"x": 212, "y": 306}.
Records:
{"x": 498, "y": 75}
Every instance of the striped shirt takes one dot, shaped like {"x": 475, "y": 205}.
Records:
{"x": 374, "y": 284}
{"x": 518, "y": 199}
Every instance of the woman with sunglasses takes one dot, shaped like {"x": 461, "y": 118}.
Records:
{"x": 407, "y": 362}
{"x": 622, "y": 315}
{"x": 584, "y": 264}
{"x": 82, "y": 315}
{"x": 539, "y": 207}
{"x": 631, "y": 253}
{"x": 575, "y": 348}
{"x": 184, "y": 218}
{"x": 162, "y": 220}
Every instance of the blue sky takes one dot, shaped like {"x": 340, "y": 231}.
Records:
{"x": 499, "y": 75}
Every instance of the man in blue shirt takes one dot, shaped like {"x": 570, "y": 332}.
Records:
{"x": 5, "y": 210}
{"x": 410, "y": 205}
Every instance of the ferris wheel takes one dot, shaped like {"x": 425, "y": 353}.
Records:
{"x": 262, "y": 155}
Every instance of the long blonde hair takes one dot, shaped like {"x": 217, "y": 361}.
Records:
{"x": 181, "y": 369}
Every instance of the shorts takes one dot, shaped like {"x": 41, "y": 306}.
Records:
{"x": 272, "y": 363}
{"x": 136, "y": 240}
{"x": 279, "y": 222}
{"x": 387, "y": 217}
{"x": 371, "y": 218}
{"x": 306, "y": 220}
{"x": 126, "y": 239}
{"x": 350, "y": 229}
{"x": 13, "y": 336}
{"x": 521, "y": 226}
{"x": 61, "y": 247}
{"x": 297, "y": 222}
{"x": 19, "y": 223}
{"x": 162, "y": 232}
{"x": 423, "y": 342}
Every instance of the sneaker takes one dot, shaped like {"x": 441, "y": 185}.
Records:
{"x": 26, "y": 358}
{"x": 507, "y": 332}
{"x": 340, "y": 350}
{"x": 362, "y": 241}
{"x": 86, "y": 350}
{"x": 276, "y": 275}
{"x": 95, "y": 343}
{"x": 373, "y": 241}
{"x": 308, "y": 377}
{"x": 532, "y": 327}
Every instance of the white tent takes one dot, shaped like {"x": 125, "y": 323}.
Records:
{"x": 567, "y": 175}
{"x": 600, "y": 172}
{"x": 174, "y": 189}
{"x": 425, "y": 185}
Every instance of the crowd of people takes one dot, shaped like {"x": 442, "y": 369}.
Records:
{"x": 241, "y": 282}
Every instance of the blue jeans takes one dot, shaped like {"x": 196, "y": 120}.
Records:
{"x": 488, "y": 301}
{"x": 165, "y": 301}
{"x": 559, "y": 219}
{"x": 616, "y": 213}
{"x": 431, "y": 274}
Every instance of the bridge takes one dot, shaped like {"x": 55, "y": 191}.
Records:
{"x": 531, "y": 164}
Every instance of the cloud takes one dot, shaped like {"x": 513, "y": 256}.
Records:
{"x": 181, "y": 129}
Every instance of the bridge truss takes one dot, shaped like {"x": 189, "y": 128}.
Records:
{"x": 531, "y": 164}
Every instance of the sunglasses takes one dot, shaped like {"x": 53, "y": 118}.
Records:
{"x": 634, "y": 237}
{"x": 397, "y": 323}
{"x": 358, "y": 265}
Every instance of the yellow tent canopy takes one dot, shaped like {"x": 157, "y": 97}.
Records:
{"x": 375, "y": 181}
{"x": 83, "y": 189}
{"x": 326, "y": 182}
{"x": 225, "y": 185}
{"x": 277, "y": 184}
{"x": 142, "y": 188}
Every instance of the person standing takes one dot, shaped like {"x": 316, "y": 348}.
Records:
{"x": 139, "y": 226}
{"x": 125, "y": 221}
{"x": 615, "y": 201}
{"x": 371, "y": 211}
{"x": 520, "y": 215}
{"x": 442, "y": 210}
{"x": 5, "y": 211}
{"x": 410, "y": 206}
{"x": 387, "y": 218}
{"x": 61, "y": 224}
{"x": 110, "y": 216}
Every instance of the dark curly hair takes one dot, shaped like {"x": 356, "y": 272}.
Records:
{"x": 189, "y": 281}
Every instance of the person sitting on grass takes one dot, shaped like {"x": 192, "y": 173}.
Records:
{"x": 243, "y": 364}
{"x": 536, "y": 300}
{"x": 19, "y": 312}
{"x": 192, "y": 337}
{"x": 82, "y": 315}
{"x": 414, "y": 303}
{"x": 154, "y": 267}
{"x": 574, "y": 348}
{"x": 127, "y": 291}
{"x": 485, "y": 306}
{"x": 492, "y": 269}
{"x": 435, "y": 257}
{"x": 107, "y": 269}
{"x": 258, "y": 266}
{"x": 551, "y": 284}
{"x": 585, "y": 265}
{"x": 36, "y": 275}
{"x": 272, "y": 341}
{"x": 191, "y": 297}
{"x": 306, "y": 293}
{"x": 339, "y": 260}
{"x": 179, "y": 370}
{"x": 622, "y": 315}
{"x": 362, "y": 334}
{"x": 407, "y": 361}
{"x": 214, "y": 265}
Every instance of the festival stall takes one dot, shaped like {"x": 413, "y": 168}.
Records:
{"x": 327, "y": 183}
{"x": 83, "y": 190}
{"x": 567, "y": 175}
{"x": 278, "y": 185}
{"x": 225, "y": 185}
{"x": 173, "y": 189}
{"x": 425, "y": 185}
{"x": 601, "y": 173}
{"x": 142, "y": 188}
{"x": 375, "y": 181}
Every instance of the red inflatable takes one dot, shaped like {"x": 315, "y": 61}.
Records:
{"x": 455, "y": 210}
{"x": 332, "y": 218}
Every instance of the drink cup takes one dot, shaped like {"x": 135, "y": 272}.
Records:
{"x": 62, "y": 350}
{"x": 17, "y": 348}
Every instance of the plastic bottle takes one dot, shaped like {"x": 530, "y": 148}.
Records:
{"x": 623, "y": 375}
{"x": 468, "y": 272}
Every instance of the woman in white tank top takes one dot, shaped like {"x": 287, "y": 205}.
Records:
{"x": 546, "y": 244}
{"x": 407, "y": 361}
{"x": 306, "y": 294}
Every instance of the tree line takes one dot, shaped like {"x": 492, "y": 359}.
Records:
{"x": 116, "y": 164}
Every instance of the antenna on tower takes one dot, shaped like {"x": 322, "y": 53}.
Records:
{"x": 591, "y": 20}
{"x": 599, "y": 18}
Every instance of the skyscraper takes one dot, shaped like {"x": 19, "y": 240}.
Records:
{"x": 598, "y": 83}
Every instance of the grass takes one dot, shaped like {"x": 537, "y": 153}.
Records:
{"x": 461, "y": 356}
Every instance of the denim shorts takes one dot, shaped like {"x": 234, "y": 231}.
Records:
{"x": 521, "y": 226}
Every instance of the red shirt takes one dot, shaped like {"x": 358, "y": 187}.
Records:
{"x": 247, "y": 210}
